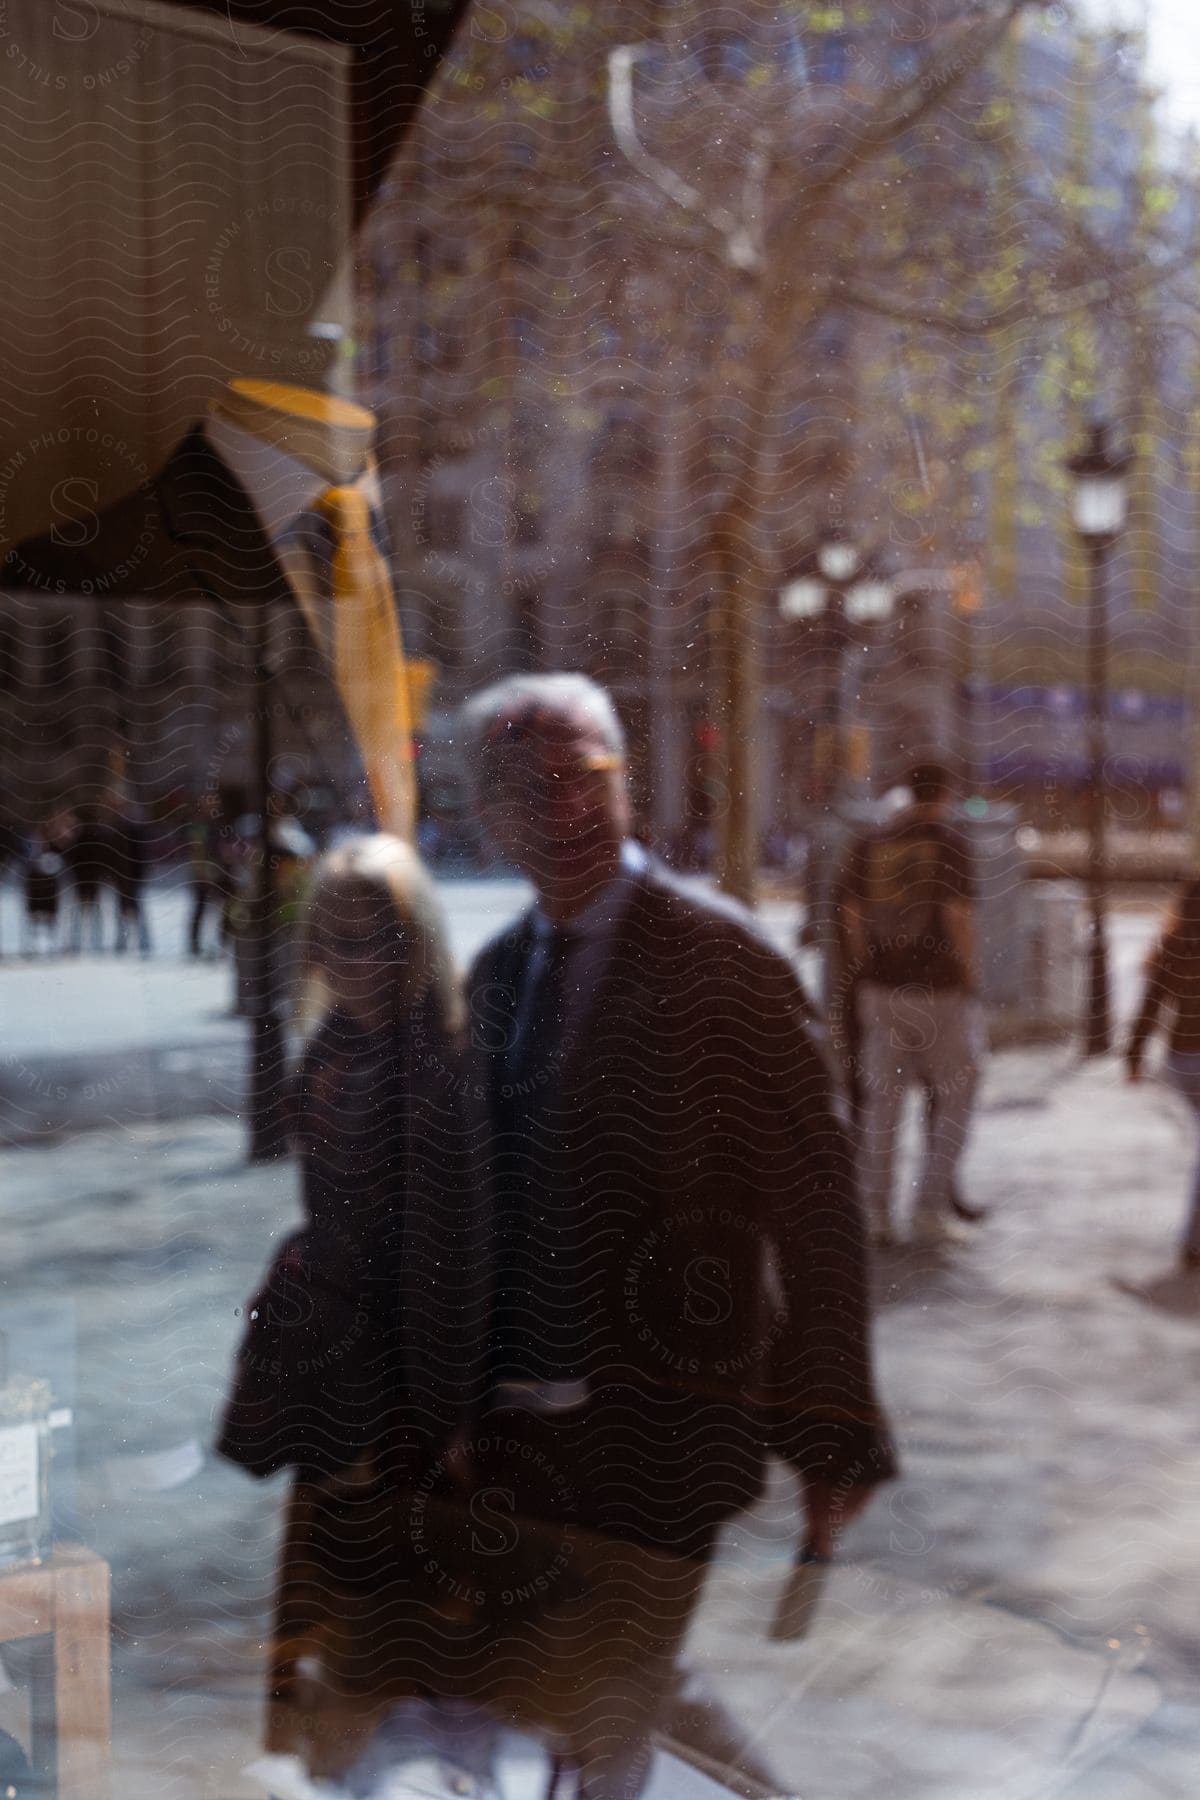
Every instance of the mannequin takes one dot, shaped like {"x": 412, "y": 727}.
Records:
{"x": 297, "y": 450}
{"x": 216, "y": 526}
{"x": 333, "y": 436}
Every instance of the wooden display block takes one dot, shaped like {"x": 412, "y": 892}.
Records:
{"x": 65, "y": 1599}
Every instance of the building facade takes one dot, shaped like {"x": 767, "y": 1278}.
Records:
{"x": 557, "y": 354}
{"x": 553, "y": 353}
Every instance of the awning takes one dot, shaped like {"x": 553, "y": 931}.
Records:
{"x": 397, "y": 46}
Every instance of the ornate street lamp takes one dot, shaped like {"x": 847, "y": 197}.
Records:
{"x": 1099, "y": 505}
{"x": 840, "y": 584}
{"x": 838, "y": 559}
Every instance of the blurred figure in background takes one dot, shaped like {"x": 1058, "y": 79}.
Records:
{"x": 127, "y": 840}
{"x": 88, "y": 862}
{"x": 291, "y": 852}
{"x": 908, "y": 918}
{"x": 11, "y": 845}
{"x": 207, "y": 873}
{"x": 44, "y": 868}
{"x": 1172, "y": 997}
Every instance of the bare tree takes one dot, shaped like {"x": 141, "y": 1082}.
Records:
{"x": 777, "y": 243}
{"x": 898, "y": 189}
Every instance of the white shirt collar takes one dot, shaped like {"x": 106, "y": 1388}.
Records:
{"x": 606, "y": 906}
{"x": 281, "y": 486}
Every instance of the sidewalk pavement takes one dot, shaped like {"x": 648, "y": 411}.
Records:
{"x": 102, "y": 1040}
{"x": 1015, "y": 1618}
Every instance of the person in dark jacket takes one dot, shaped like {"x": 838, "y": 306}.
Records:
{"x": 1172, "y": 996}
{"x": 44, "y": 870}
{"x": 908, "y": 913}
{"x": 127, "y": 839}
{"x": 677, "y": 1249}
{"x": 362, "y": 1352}
{"x": 88, "y": 860}
{"x": 206, "y": 872}
{"x": 11, "y": 848}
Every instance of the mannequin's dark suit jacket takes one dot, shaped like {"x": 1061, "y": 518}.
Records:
{"x": 190, "y": 534}
{"x": 722, "y": 1276}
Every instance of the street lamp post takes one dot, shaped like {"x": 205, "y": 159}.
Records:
{"x": 845, "y": 590}
{"x": 267, "y": 1047}
{"x": 1099, "y": 502}
{"x": 840, "y": 585}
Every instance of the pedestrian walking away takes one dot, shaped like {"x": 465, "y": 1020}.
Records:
{"x": 1172, "y": 998}
{"x": 908, "y": 903}
{"x": 845, "y": 1037}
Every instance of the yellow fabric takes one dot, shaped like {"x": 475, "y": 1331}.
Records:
{"x": 422, "y": 673}
{"x": 288, "y": 398}
{"x": 368, "y": 661}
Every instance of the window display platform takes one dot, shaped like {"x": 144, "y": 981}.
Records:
{"x": 65, "y": 1600}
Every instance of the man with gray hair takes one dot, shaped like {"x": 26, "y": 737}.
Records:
{"x": 677, "y": 1256}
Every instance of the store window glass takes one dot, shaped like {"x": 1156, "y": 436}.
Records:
{"x": 599, "y": 960}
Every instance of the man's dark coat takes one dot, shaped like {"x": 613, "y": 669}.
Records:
{"x": 722, "y": 1271}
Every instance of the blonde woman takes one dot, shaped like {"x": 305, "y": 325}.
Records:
{"x": 358, "y": 1346}
{"x": 364, "y": 1352}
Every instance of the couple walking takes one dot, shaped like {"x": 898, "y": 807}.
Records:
{"x": 581, "y": 1247}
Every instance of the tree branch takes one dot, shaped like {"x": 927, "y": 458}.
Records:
{"x": 1103, "y": 291}
{"x": 740, "y": 248}
{"x": 926, "y": 91}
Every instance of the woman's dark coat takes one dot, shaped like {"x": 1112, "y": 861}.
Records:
{"x": 365, "y": 1337}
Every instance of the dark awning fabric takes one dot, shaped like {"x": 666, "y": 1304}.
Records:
{"x": 397, "y": 46}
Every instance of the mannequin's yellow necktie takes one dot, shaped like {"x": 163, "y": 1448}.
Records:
{"x": 368, "y": 661}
